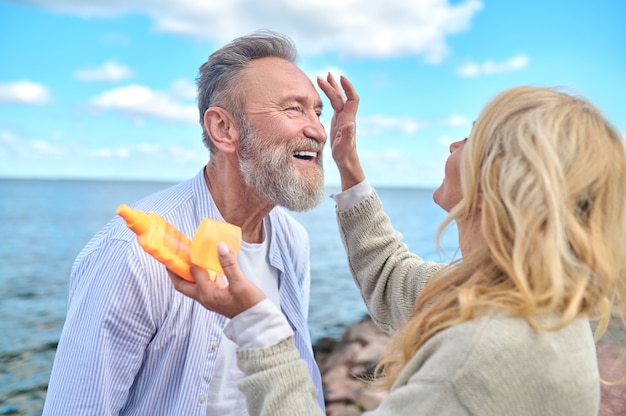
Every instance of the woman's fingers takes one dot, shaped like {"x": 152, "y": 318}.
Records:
{"x": 244, "y": 293}
{"x": 352, "y": 102}
{"x": 229, "y": 263}
{"x": 228, "y": 298}
{"x": 332, "y": 92}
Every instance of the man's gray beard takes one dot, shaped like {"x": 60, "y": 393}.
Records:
{"x": 270, "y": 172}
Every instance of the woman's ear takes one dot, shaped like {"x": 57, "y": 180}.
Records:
{"x": 222, "y": 129}
{"x": 479, "y": 201}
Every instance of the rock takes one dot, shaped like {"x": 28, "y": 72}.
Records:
{"x": 347, "y": 364}
{"x": 370, "y": 353}
{"x": 323, "y": 348}
{"x": 344, "y": 411}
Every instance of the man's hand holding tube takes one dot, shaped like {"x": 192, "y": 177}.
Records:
{"x": 228, "y": 299}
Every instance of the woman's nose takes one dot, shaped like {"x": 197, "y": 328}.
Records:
{"x": 456, "y": 145}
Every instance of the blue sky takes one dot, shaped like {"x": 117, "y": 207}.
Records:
{"x": 104, "y": 89}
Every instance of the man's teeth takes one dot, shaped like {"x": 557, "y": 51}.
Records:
{"x": 305, "y": 154}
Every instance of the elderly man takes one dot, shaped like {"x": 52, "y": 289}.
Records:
{"x": 133, "y": 345}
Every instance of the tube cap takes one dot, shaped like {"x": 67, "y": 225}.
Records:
{"x": 136, "y": 220}
{"x": 209, "y": 233}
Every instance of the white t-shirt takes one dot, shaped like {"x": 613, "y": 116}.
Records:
{"x": 225, "y": 399}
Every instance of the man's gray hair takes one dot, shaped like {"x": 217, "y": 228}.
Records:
{"x": 219, "y": 76}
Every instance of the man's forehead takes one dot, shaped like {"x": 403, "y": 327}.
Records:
{"x": 277, "y": 71}
{"x": 279, "y": 78}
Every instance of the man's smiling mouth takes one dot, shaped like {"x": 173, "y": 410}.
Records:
{"x": 305, "y": 155}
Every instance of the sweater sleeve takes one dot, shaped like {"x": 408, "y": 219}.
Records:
{"x": 277, "y": 381}
{"x": 389, "y": 276}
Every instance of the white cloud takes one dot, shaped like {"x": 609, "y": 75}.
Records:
{"x": 44, "y": 148}
{"x": 7, "y": 136}
{"x": 379, "y": 28}
{"x": 181, "y": 154}
{"x": 472, "y": 69}
{"x": 110, "y": 71}
{"x": 400, "y": 167}
{"x": 455, "y": 121}
{"x": 322, "y": 72}
{"x": 378, "y": 124}
{"x": 139, "y": 101}
{"x": 24, "y": 92}
{"x": 446, "y": 140}
{"x": 106, "y": 153}
{"x": 23, "y": 147}
{"x": 147, "y": 148}
{"x": 184, "y": 89}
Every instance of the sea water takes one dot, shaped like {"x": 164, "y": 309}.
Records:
{"x": 45, "y": 223}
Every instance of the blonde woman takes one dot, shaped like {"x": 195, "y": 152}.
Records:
{"x": 537, "y": 192}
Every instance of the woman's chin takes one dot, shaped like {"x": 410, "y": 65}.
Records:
{"x": 437, "y": 196}
{"x": 444, "y": 202}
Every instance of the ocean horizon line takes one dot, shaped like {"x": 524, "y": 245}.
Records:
{"x": 169, "y": 182}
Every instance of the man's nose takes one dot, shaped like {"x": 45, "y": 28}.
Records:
{"x": 315, "y": 130}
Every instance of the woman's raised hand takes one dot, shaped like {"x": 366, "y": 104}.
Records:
{"x": 345, "y": 103}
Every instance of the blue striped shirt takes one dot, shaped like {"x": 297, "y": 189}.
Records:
{"x": 133, "y": 345}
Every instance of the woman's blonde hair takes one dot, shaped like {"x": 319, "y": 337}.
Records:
{"x": 543, "y": 177}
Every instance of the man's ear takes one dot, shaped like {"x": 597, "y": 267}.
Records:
{"x": 222, "y": 129}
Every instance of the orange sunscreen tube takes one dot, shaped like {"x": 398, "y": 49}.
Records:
{"x": 160, "y": 239}
{"x": 168, "y": 245}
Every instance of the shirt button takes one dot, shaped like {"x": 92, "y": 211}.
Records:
{"x": 202, "y": 399}
{"x": 214, "y": 345}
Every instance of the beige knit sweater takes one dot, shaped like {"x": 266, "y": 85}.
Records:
{"x": 487, "y": 366}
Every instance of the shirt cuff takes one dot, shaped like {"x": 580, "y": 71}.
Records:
{"x": 263, "y": 325}
{"x": 352, "y": 196}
